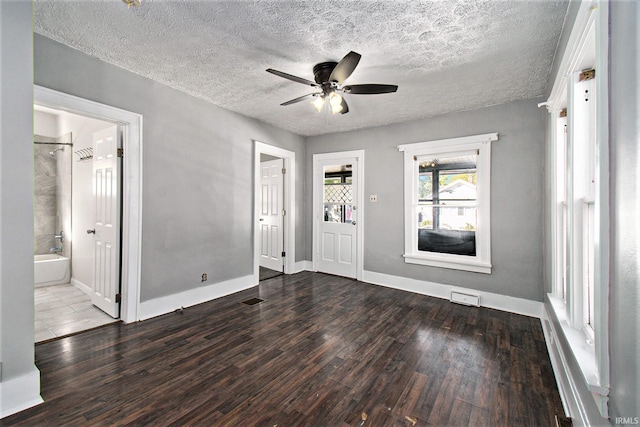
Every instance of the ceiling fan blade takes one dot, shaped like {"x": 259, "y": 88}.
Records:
{"x": 345, "y": 107}
{"x": 292, "y": 77}
{"x": 370, "y": 89}
{"x": 345, "y": 67}
{"x": 299, "y": 99}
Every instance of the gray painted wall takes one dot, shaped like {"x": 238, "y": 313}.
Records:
{"x": 624, "y": 134}
{"x": 197, "y": 211}
{"x": 16, "y": 190}
{"x": 516, "y": 194}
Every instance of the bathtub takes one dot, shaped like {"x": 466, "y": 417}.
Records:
{"x": 51, "y": 269}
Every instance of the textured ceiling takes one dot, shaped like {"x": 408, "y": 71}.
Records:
{"x": 444, "y": 55}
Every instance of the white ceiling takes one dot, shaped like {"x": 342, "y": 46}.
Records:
{"x": 445, "y": 56}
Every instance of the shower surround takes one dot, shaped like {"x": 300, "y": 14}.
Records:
{"x": 52, "y": 193}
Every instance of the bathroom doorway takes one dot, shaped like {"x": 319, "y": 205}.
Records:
{"x": 64, "y": 217}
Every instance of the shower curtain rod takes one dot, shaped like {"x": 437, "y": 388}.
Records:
{"x": 53, "y": 143}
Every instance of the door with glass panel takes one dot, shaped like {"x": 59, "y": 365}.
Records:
{"x": 336, "y": 215}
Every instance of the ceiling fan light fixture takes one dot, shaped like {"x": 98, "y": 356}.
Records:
{"x": 335, "y": 101}
{"x": 134, "y": 3}
{"x": 318, "y": 103}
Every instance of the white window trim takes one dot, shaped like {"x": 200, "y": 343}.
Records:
{"x": 590, "y": 347}
{"x": 481, "y": 144}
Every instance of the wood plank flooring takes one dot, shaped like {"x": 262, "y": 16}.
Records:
{"x": 319, "y": 350}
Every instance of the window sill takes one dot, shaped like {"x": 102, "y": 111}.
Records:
{"x": 454, "y": 262}
{"x": 581, "y": 346}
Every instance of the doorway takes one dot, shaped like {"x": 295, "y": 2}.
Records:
{"x": 131, "y": 126}
{"x": 274, "y": 211}
{"x": 64, "y": 207}
{"x": 337, "y": 213}
{"x": 271, "y": 216}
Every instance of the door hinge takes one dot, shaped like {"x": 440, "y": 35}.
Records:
{"x": 120, "y": 152}
{"x": 284, "y": 212}
{"x": 284, "y": 254}
{"x": 587, "y": 75}
{"x": 284, "y": 171}
{"x": 118, "y": 298}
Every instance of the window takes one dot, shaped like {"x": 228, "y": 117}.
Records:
{"x": 447, "y": 203}
{"x": 338, "y": 193}
{"x": 582, "y": 173}
{"x": 578, "y": 150}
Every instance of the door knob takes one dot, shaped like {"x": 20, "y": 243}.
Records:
{"x": 353, "y": 222}
{"x": 91, "y": 231}
{"x": 261, "y": 219}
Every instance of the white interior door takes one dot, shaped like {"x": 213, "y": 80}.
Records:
{"x": 336, "y": 215}
{"x": 271, "y": 214}
{"x": 106, "y": 178}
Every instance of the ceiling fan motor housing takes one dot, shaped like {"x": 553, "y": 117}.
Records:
{"x": 322, "y": 71}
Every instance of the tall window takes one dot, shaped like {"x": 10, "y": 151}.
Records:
{"x": 578, "y": 305}
{"x": 582, "y": 172}
{"x": 447, "y": 203}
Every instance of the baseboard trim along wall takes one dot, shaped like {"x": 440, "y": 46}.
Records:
{"x": 303, "y": 266}
{"x": 169, "y": 303}
{"x": 18, "y": 394}
{"x": 78, "y": 284}
{"x": 487, "y": 299}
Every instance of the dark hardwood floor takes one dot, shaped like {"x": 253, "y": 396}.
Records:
{"x": 319, "y": 350}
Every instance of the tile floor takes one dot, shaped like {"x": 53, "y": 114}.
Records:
{"x": 64, "y": 309}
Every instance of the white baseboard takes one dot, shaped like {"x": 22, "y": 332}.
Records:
{"x": 18, "y": 394}
{"x": 303, "y": 266}
{"x": 78, "y": 284}
{"x": 438, "y": 290}
{"x": 562, "y": 380}
{"x": 169, "y": 303}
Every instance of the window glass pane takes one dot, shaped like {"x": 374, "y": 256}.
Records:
{"x": 447, "y": 214}
{"x": 338, "y": 193}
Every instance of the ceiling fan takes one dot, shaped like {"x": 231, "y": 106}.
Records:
{"x": 329, "y": 77}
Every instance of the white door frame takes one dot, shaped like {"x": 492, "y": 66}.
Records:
{"x": 289, "y": 206}
{"x": 132, "y": 192}
{"x": 359, "y": 212}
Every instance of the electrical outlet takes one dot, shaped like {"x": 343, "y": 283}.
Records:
{"x": 373, "y": 198}
{"x": 204, "y": 277}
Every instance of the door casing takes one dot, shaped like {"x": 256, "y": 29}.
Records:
{"x": 132, "y": 192}
{"x": 271, "y": 214}
{"x": 339, "y": 157}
